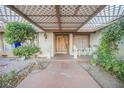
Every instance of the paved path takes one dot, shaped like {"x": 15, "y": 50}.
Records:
{"x": 60, "y": 75}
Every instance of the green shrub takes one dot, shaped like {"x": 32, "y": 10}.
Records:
{"x": 120, "y": 73}
{"x": 22, "y": 33}
{"x": 26, "y": 51}
{"x": 18, "y": 32}
{"x": 108, "y": 49}
{"x": 116, "y": 67}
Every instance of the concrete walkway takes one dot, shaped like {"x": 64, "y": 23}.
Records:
{"x": 60, "y": 74}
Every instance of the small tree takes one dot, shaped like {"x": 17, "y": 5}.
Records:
{"x": 16, "y": 32}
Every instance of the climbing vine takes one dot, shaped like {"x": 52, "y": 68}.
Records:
{"x": 108, "y": 49}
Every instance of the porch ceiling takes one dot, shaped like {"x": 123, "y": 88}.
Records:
{"x": 64, "y": 18}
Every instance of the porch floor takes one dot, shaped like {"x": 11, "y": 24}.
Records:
{"x": 66, "y": 57}
{"x": 60, "y": 74}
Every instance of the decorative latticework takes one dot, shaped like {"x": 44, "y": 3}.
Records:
{"x": 103, "y": 18}
{"x": 87, "y": 10}
{"x": 67, "y": 10}
{"x": 37, "y": 9}
{"x": 82, "y": 18}
{"x": 44, "y": 19}
{"x": 7, "y": 15}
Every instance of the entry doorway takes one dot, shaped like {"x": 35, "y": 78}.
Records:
{"x": 61, "y": 43}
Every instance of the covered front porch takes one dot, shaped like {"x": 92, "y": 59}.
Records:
{"x": 75, "y": 45}
{"x": 66, "y": 57}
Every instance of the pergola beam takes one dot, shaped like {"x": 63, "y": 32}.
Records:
{"x": 66, "y": 23}
{"x": 67, "y": 16}
{"x": 57, "y": 7}
{"x": 61, "y": 16}
{"x": 76, "y": 33}
{"x": 58, "y": 30}
{"x": 24, "y": 16}
{"x": 68, "y": 31}
{"x": 91, "y": 16}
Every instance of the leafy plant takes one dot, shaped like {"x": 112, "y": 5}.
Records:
{"x": 116, "y": 67}
{"x": 120, "y": 73}
{"x": 18, "y": 32}
{"x": 108, "y": 49}
{"x": 94, "y": 61}
{"x": 26, "y": 51}
{"x": 5, "y": 79}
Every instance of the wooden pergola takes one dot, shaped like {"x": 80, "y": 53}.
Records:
{"x": 63, "y": 18}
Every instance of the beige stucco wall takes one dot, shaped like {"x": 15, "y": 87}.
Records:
{"x": 0, "y": 41}
{"x": 46, "y": 45}
{"x": 70, "y": 44}
{"x": 121, "y": 50}
{"x": 95, "y": 38}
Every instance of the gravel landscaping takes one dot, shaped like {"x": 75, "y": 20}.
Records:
{"x": 103, "y": 78}
{"x": 13, "y": 71}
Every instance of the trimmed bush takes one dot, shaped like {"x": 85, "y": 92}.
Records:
{"x": 26, "y": 51}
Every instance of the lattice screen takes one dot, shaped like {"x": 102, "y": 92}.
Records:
{"x": 70, "y": 17}
{"x": 87, "y": 10}
{"x": 106, "y": 16}
{"x": 37, "y": 9}
{"x": 8, "y": 15}
{"x": 68, "y": 10}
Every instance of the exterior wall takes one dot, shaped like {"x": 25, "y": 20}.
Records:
{"x": 95, "y": 38}
{"x": 1, "y": 46}
{"x": 4, "y": 46}
{"x": 46, "y": 45}
{"x": 5, "y": 49}
{"x": 121, "y": 50}
{"x": 71, "y": 44}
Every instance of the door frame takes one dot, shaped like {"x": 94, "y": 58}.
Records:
{"x": 55, "y": 41}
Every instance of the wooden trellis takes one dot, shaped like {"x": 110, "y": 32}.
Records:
{"x": 62, "y": 18}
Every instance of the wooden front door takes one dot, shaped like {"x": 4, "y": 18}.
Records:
{"x": 62, "y": 44}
